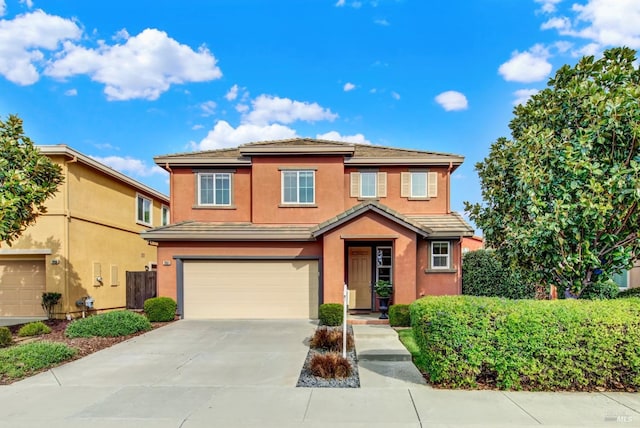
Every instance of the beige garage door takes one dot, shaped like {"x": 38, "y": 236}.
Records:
{"x": 251, "y": 289}
{"x": 22, "y": 283}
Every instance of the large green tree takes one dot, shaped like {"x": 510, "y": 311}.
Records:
{"x": 27, "y": 179}
{"x": 561, "y": 196}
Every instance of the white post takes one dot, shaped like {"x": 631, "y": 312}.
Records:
{"x": 345, "y": 299}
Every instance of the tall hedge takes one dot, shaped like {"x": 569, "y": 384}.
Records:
{"x": 483, "y": 274}
{"x": 529, "y": 344}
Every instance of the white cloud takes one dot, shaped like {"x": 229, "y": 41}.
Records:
{"x": 560, "y": 23}
{"x": 335, "y": 136}
{"x": 130, "y": 166}
{"x": 242, "y": 108}
{"x": 121, "y": 35}
{"x": 373, "y": 90}
{"x": 3, "y": 7}
{"x": 610, "y": 23}
{"x": 208, "y": 108}
{"x": 144, "y": 67}
{"x": 268, "y": 109}
{"x": 548, "y": 6}
{"x": 340, "y": 3}
{"x": 452, "y": 101}
{"x": 528, "y": 66}
{"x": 105, "y": 146}
{"x": 197, "y": 126}
{"x": 395, "y": 95}
{"x": 71, "y": 92}
{"x": 348, "y": 87}
{"x": 523, "y": 95}
{"x": 28, "y": 3}
{"x": 381, "y": 22}
{"x": 232, "y": 94}
{"x": 224, "y": 135}
{"x": 23, "y": 39}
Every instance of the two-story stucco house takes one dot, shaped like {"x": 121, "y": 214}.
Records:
{"x": 273, "y": 229}
{"x": 85, "y": 243}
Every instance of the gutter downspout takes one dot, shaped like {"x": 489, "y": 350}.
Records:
{"x": 168, "y": 168}
{"x": 67, "y": 232}
{"x": 449, "y": 187}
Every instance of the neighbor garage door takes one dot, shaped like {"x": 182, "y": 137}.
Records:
{"x": 250, "y": 289}
{"x": 22, "y": 283}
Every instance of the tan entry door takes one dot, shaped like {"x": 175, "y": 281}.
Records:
{"x": 360, "y": 276}
{"x": 22, "y": 283}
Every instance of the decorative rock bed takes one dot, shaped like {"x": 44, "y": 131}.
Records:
{"x": 308, "y": 380}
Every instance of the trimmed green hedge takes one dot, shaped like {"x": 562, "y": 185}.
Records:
{"x": 23, "y": 360}
{"x": 34, "y": 329}
{"x": 110, "y": 324}
{"x": 160, "y": 309}
{"x": 483, "y": 274}
{"x": 529, "y": 344}
{"x": 629, "y": 292}
{"x": 399, "y": 316}
{"x": 5, "y": 337}
{"x": 331, "y": 314}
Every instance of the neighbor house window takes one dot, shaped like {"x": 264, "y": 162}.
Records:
{"x": 214, "y": 189}
{"x": 165, "y": 215}
{"x": 418, "y": 184}
{"x": 298, "y": 187}
{"x": 368, "y": 184}
{"x": 440, "y": 255}
{"x": 622, "y": 279}
{"x": 143, "y": 210}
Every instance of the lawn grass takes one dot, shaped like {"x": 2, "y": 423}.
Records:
{"x": 23, "y": 360}
{"x": 409, "y": 342}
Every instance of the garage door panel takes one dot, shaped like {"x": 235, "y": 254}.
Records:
{"x": 22, "y": 283}
{"x": 251, "y": 289}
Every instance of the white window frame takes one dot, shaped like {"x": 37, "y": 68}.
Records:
{"x": 413, "y": 175}
{"x": 144, "y": 199}
{"x": 433, "y": 255}
{"x": 297, "y": 172}
{"x": 213, "y": 175}
{"x": 165, "y": 209}
{"x": 628, "y": 272}
{"x": 375, "y": 184}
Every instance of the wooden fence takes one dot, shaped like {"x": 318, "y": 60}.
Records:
{"x": 140, "y": 287}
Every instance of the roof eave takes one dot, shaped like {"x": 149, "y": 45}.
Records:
{"x": 362, "y": 161}
{"x": 197, "y": 161}
{"x": 295, "y": 150}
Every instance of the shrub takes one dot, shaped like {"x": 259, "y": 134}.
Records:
{"x": 34, "y": 329}
{"x": 399, "y": 316}
{"x": 160, "y": 309}
{"x": 329, "y": 366}
{"x": 5, "y": 337}
{"x": 483, "y": 274}
{"x": 330, "y": 339}
{"x": 629, "y": 292}
{"x": 600, "y": 290}
{"x": 49, "y": 301}
{"x": 533, "y": 344}
{"x": 110, "y": 324}
{"x": 23, "y": 360}
{"x": 331, "y": 314}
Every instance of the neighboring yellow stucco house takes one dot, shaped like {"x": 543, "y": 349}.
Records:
{"x": 85, "y": 243}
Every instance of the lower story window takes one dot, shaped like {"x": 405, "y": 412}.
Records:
{"x": 440, "y": 255}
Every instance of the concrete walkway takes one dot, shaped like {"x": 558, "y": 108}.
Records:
{"x": 243, "y": 374}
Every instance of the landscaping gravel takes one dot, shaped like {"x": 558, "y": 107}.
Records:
{"x": 307, "y": 380}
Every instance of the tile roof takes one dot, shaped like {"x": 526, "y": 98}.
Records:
{"x": 444, "y": 224}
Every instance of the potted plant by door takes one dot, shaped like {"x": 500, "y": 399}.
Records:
{"x": 383, "y": 290}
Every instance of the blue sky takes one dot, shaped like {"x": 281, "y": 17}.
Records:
{"x": 124, "y": 81}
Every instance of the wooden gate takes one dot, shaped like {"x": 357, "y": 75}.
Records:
{"x": 140, "y": 287}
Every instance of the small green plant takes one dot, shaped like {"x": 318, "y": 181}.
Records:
{"x": 330, "y": 366}
{"x": 383, "y": 288}
{"x": 110, "y": 324}
{"x": 160, "y": 309}
{"x": 34, "y": 329}
{"x": 22, "y": 360}
{"x": 630, "y": 292}
{"x": 399, "y": 315}
{"x": 330, "y": 339}
{"x": 5, "y": 337}
{"x": 331, "y": 314}
{"x": 600, "y": 290}
{"x": 49, "y": 302}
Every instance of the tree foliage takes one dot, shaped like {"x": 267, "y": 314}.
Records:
{"x": 27, "y": 179}
{"x": 561, "y": 196}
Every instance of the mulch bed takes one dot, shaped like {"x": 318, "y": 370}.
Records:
{"x": 83, "y": 345}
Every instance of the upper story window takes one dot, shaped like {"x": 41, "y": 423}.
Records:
{"x": 144, "y": 210}
{"x": 214, "y": 189}
{"x": 440, "y": 255}
{"x": 419, "y": 184}
{"x": 165, "y": 215}
{"x": 298, "y": 187}
{"x": 368, "y": 184}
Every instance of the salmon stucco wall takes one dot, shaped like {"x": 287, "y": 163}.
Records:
{"x": 368, "y": 225}
{"x": 166, "y": 279}
{"x": 433, "y": 282}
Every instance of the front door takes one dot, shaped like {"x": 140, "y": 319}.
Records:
{"x": 359, "y": 276}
